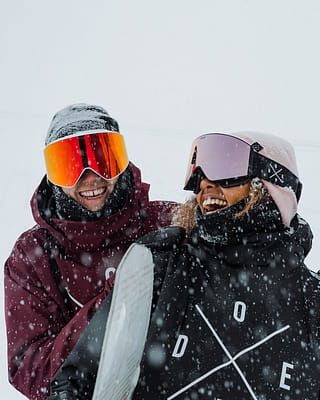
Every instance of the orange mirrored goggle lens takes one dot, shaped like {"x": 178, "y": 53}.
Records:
{"x": 104, "y": 153}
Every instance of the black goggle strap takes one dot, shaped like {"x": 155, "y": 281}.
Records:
{"x": 272, "y": 171}
{"x": 194, "y": 180}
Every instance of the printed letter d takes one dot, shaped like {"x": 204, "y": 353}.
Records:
{"x": 180, "y": 346}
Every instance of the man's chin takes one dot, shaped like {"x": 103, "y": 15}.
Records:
{"x": 94, "y": 204}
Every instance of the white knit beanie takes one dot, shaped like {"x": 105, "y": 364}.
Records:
{"x": 77, "y": 118}
{"x": 282, "y": 152}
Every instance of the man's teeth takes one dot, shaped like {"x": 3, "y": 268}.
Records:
{"x": 93, "y": 193}
{"x": 217, "y": 202}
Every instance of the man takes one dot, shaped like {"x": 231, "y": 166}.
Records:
{"x": 88, "y": 209}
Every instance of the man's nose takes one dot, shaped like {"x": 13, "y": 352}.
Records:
{"x": 89, "y": 176}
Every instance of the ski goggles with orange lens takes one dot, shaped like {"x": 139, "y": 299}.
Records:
{"x": 101, "y": 151}
{"x": 230, "y": 161}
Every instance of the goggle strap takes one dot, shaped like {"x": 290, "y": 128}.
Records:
{"x": 194, "y": 180}
{"x": 272, "y": 171}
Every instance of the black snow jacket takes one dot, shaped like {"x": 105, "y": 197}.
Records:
{"x": 237, "y": 315}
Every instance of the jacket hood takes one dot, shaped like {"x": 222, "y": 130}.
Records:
{"x": 91, "y": 235}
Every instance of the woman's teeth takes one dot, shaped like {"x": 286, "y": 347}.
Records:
{"x": 210, "y": 205}
{"x": 93, "y": 193}
{"x": 218, "y": 202}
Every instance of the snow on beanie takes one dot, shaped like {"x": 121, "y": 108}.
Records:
{"x": 77, "y": 118}
{"x": 282, "y": 152}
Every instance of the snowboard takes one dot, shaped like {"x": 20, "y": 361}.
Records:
{"x": 127, "y": 326}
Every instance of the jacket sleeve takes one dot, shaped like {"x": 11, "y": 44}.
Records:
{"x": 40, "y": 333}
{"x": 159, "y": 214}
{"x": 76, "y": 378}
{"x": 311, "y": 292}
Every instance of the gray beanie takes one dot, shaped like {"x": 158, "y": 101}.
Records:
{"x": 77, "y": 118}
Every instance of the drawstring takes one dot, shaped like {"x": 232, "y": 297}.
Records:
{"x": 142, "y": 215}
{"x": 48, "y": 245}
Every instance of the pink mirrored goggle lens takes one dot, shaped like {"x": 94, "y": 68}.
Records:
{"x": 221, "y": 158}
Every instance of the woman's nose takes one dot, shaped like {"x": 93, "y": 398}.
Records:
{"x": 205, "y": 183}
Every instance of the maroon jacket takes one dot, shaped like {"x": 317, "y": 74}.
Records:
{"x": 41, "y": 328}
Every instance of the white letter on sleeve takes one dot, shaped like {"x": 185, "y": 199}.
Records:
{"x": 109, "y": 271}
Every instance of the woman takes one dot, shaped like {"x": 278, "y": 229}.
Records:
{"x": 236, "y": 311}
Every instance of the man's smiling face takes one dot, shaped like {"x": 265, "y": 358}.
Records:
{"x": 91, "y": 191}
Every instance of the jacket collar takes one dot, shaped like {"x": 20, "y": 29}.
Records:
{"x": 259, "y": 238}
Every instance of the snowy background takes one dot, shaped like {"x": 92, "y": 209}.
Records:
{"x": 168, "y": 71}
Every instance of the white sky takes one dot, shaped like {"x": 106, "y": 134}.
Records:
{"x": 168, "y": 71}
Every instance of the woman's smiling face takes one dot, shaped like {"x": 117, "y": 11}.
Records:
{"x": 213, "y": 197}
